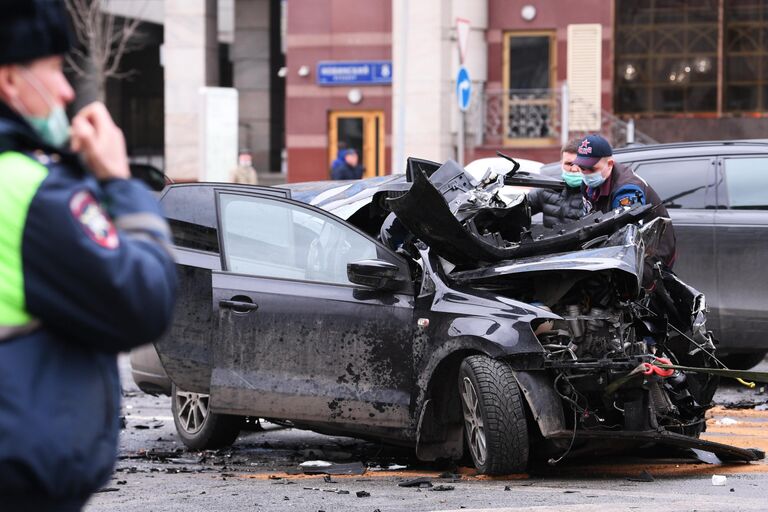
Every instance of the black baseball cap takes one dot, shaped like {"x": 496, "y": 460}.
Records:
{"x": 31, "y": 29}
{"x": 591, "y": 150}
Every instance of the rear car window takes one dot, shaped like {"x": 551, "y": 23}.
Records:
{"x": 192, "y": 217}
{"x": 681, "y": 183}
{"x": 747, "y": 182}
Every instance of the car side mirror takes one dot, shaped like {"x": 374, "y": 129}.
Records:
{"x": 153, "y": 177}
{"x": 378, "y": 274}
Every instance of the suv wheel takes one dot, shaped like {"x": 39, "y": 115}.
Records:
{"x": 197, "y": 426}
{"x": 495, "y": 423}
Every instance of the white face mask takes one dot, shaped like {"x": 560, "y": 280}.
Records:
{"x": 53, "y": 128}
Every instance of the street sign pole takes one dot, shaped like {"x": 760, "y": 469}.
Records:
{"x": 463, "y": 84}
{"x": 460, "y": 150}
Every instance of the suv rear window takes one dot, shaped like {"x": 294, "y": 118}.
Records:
{"x": 681, "y": 183}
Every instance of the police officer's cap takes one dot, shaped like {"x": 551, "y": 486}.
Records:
{"x": 31, "y": 29}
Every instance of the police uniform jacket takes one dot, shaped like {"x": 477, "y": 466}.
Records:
{"x": 85, "y": 272}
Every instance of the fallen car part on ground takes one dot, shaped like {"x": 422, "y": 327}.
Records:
{"x": 519, "y": 343}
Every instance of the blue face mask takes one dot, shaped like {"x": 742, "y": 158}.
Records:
{"x": 572, "y": 179}
{"x": 593, "y": 180}
{"x": 53, "y": 128}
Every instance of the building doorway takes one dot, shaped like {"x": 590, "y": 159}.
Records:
{"x": 362, "y": 131}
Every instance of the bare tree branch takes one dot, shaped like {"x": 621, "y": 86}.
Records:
{"x": 104, "y": 39}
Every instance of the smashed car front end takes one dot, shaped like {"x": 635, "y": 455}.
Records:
{"x": 611, "y": 328}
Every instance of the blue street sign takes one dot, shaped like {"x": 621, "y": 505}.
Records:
{"x": 372, "y": 72}
{"x": 463, "y": 89}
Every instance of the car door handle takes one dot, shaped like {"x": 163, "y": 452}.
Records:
{"x": 239, "y": 306}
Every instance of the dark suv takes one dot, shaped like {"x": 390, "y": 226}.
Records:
{"x": 717, "y": 196}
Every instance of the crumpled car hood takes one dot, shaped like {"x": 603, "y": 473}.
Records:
{"x": 445, "y": 211}
{"x": 622, "y": 255}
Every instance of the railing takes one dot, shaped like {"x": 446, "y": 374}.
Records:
{"x": 535, "y": 117}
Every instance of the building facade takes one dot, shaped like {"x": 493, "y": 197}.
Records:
{"x": 379, "y": 76}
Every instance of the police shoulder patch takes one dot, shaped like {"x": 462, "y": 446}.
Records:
{"x": 94, "y": 221}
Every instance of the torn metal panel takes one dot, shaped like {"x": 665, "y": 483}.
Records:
{"x": 470, "y": 225}
{"x": 724, "y": 451}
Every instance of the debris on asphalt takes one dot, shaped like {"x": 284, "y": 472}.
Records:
{"x": 443, "y": 488}
{"x": 108, "y": 489}
{"x": 746, "y": 404}
{"x": 185, "y": 460}
{"x": 644, "y": 476}
{"x": 719, "y": 479}
{"x": 315, "y": 464}
{"x": 705, "y": 456}
{"x": 319, "y": 467}
{"x": 121, "y": 482}
{"x": 362, "y": 494}
{"x": 327, "y": 479}
{"x": 417, "y": 482}
{"x": 391, "y": 467}
{"x": 507, "y": 488}
{"x": 726, "y": 421}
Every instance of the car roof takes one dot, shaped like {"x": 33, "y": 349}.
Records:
{"x": 638, "y": 152}
{"x": 703, "y": 148}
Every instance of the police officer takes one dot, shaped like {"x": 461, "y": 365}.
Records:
{"x": 560, "y": 207}
{"x": 85, "y": 271}
{"x": 609, "y": 185}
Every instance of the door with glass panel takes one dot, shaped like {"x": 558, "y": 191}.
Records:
{"x": 362, "y": 131}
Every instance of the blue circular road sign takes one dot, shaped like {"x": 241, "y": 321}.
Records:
{"x": 463, "y": 89}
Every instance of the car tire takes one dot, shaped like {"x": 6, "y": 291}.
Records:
{"x": 743, "y": 361}
{"x": 197, "y": 426}
{"x": 495, "y": 424}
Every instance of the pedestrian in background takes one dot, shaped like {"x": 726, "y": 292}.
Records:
{"x": 85, "y": 271}
{"x": 244, "y": 172}
{"x": 567, "y": 205}
{"x": 348, "y": 168}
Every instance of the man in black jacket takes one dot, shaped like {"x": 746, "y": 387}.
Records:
{"x": 567, "y": 205}
{"x": 609, "y": 185}
{"x": 86, "y": 271}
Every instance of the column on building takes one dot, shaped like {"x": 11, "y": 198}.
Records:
{"x": 425, "y": 64}
{"x": 190, "y": 60}
{"x": 250, "y": 59}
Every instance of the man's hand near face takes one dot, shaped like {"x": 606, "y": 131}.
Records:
{"x": 101, "y": 142}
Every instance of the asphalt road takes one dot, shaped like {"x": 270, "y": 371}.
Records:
{"x": 261, "y": 473}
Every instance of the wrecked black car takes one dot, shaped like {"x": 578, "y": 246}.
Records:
{"x": 464, "y": 331}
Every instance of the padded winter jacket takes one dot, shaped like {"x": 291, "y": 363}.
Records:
{"x": 558, "y": 207}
